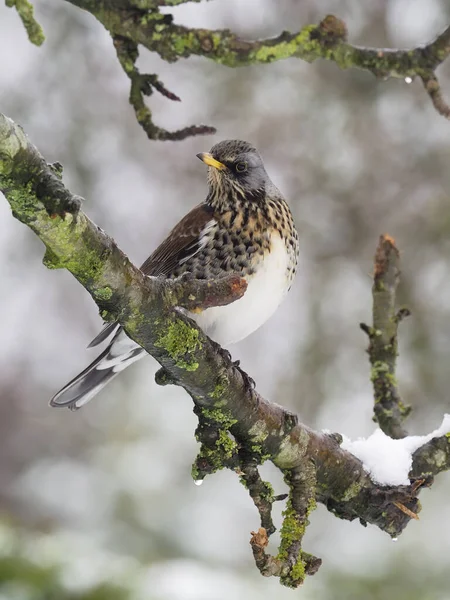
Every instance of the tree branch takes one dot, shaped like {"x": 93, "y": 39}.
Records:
{"x": 315, "y": 467}
{"x": 432, "y": 458}
{"x": 389, "y": 409}
{"x": 143, "y": 85}
{"x": 25, "y": 11}
{"x": 433, "y": 89}
{"x": 141, "y": 22}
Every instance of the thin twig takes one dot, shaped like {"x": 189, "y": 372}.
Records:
{"x": 433, "y": 88}
{"x": 261, "y": 492}
{"x": 406, "y": 510}
{"x": 142, "y": 85}
{"x": 25, "y": 10}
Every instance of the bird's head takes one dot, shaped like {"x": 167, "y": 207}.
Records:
{"x": 235, "y": 169}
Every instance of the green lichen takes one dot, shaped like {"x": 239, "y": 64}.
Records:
{"x": 212, "y": 459}
{"x": 180, "y": 340}
{"x": 258, "y": 452}
{"x": 291, "y": 450}
{"x": 258, "y": 431}
{"x": 243, "y": 481}
{"x": 405, "y": 409}
{"x": 226, "y": 445}
{"x": 21, "y": 199}
{"x": 352, "y": 491}
{"x": 58, "y": 232}
{"x": 104, "y": 293}
{"x": 440, "y": 458}
{"x": 87, "y": 266}
{"x": 306, "y": 44}
{"x": 292, "y": 532}
{"x": 224, "y": 448}
{"x": 268, "y": 493}
{"x": 184, "y": 44}
{"x": 25, "y": 11}
{"x": 195, "y": 473}
{"x": 51, "y": 260}
{"x": 152, "y": 17}
{"x": 297, "y": 572}
{"x": 381, "y": 376}
{"x": 219, "y": 416}
{"x": 302, "y": 45}
{"x": 379, "y": 369}
{"x": 220, "y": 388}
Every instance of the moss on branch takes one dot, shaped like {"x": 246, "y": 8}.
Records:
{"x": 25, "y": 11}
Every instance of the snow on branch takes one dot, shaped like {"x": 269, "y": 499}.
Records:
{"x": 389, "y": 461}
{"x": 238, "y": 429}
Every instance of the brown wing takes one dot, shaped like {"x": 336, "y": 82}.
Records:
{"x": 182, "y": 242}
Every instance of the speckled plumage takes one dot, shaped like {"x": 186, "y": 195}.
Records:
{"x": 244, "y": 226}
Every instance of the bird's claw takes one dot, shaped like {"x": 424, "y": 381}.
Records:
{"x": 249, "y": 381}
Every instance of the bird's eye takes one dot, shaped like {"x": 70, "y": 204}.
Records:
{"x": 241, "y": 167}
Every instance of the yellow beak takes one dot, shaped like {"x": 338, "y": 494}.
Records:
{"x": 209, "y": 160}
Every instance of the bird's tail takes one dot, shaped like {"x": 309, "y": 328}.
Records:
{"x": 115, "y": 358}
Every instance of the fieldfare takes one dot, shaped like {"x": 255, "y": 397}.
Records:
{"x": 243, "y": 227}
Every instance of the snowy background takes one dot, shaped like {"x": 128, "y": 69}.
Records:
{"x": 103, "y": 497}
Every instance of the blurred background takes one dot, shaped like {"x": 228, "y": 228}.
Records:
{"x": 99, "y": 504}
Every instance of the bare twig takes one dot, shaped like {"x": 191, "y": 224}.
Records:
{"x": 433, "y": 88}
{"x": 389, "y": 409}
{"x": 143, "y": 85}
{"x": 25, "y": 11}
{"x": 406, "y": 510}
{"x": 261, "y": 492}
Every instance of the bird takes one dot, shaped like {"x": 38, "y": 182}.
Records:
{"x": 243, "y": 227}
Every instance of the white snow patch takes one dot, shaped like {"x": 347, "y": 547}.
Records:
{"x": 389, "y": 461}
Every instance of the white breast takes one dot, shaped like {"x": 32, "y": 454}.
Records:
{"x": 266, "y": 289}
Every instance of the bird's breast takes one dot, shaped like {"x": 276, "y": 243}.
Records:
{"x": 267, "y": 285}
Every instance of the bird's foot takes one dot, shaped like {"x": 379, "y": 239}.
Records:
{"x": 248, "y": 381}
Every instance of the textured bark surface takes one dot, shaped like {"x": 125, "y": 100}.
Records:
{"x": 237, "y": 429}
